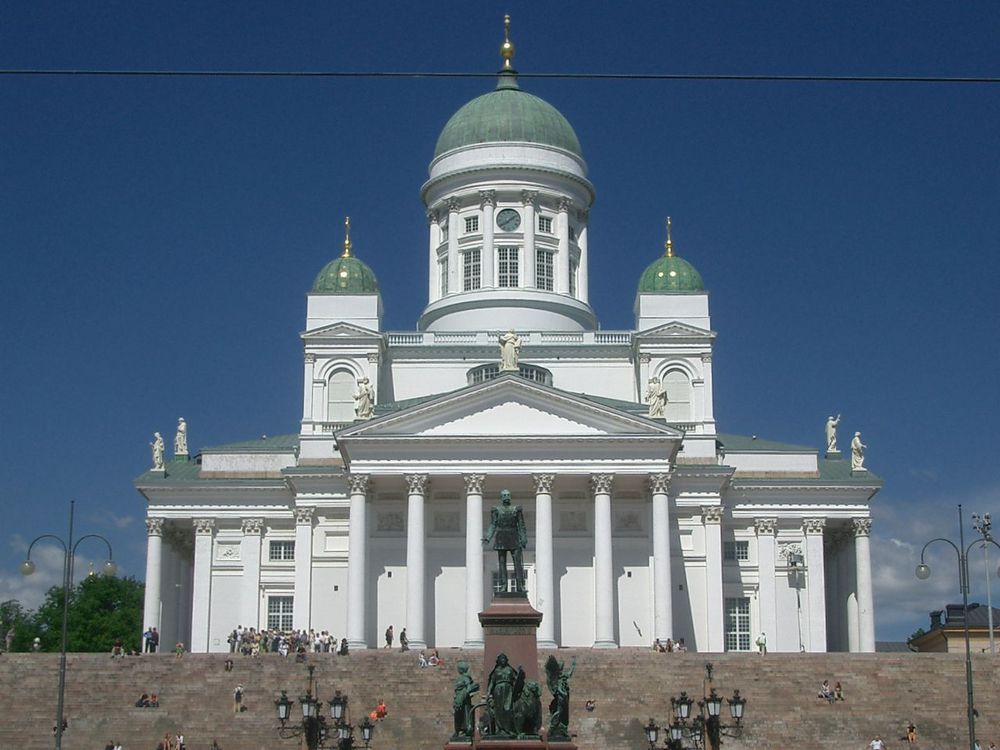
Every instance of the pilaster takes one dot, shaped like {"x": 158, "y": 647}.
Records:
{"x": 250, "y": 581}
{"x": 711, "y": 516}
{"x": 204, "y": 531}
{"x": 302, "y": 603}
{"x": 767, "y": 602}
{"x": 816, "y": 582}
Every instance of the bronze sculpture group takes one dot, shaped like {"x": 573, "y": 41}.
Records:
{"x": 512, "y": 702}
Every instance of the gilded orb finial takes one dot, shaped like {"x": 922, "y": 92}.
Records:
{"x": 347, "y": 237}
{"x": 669, "y": 244}
{"x": 507, "y": 48}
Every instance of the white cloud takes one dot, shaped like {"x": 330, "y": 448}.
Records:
{"x": 902, "y": 601}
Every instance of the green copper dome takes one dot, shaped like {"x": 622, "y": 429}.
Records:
{"x": 508, "y": 114}
{"x": 345, "y": 275}
{"x": 668, "y": 273}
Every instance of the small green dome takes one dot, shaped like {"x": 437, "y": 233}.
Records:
{"x": 508, "y": 114}
{"x": 345, "y": 275}
{"x": 670, "y": 274}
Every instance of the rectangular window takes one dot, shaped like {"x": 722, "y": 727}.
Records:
{"x": 738, "y": 624}
{"x": 443, "y": 275}
{"x": 574, "y": 270}
{"x": 545, "y": 224}
{"x": 543, "y": 270}
{"x": 510, "y": 580}
{"x": 444, "y": 232}
{"x": 572, "y": 234}
{"x": 279, "y": 612}
{"x": 507, "y": 274}
{"x": 471, "y": 269}
{"x": 281, "y": 551}
{"x": 736, "y": 551}
{"x": 471, "y": 224}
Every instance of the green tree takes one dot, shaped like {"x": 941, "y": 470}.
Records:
{"x": 102, "y": 609}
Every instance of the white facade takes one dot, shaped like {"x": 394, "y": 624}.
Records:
{"x": 639, "y": 528}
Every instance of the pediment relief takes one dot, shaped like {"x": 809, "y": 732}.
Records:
{"x": 342, "y": 331}
{"x": 509, "y": 406}
{"x": 676, "y": 330}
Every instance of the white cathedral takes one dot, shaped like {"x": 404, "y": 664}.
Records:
{"x": 644, "y": 521}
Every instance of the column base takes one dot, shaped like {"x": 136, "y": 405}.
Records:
{"x": 475, "y": 645}
{"x": 417, "y": 645}
{"x": 356, "y": 645}
{"x": 605, "y": 644}
{"x": 547, "y": 643}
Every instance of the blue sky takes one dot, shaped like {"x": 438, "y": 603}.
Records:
{"x": 158, "y": 235}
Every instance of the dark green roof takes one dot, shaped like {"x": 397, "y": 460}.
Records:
{"x": 669, "y": 273}
{"x": 508, "y": 114}
{"x": 345, "y": 275}
{"x": 264, "y": 444}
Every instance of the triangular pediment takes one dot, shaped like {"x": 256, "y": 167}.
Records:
{"x": 508, "y": 407}
{"x": 676, "y": 330}
{"x": 342, "y": 331}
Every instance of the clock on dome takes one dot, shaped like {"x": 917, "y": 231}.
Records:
{"x": 509, "y": 220}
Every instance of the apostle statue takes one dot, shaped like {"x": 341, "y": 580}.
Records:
{"x": 509, "y": 534}
{"x": 858, "y": 453}
{"x": 831, "y": 433}
{"x": 181, "y": 438}
{"x": 656, "y": 397}
{"x": 510, "y": 350}
{"x": 157, "y": 446}
{"x": 364, "y": 399}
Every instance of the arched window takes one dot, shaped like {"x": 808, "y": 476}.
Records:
{"x": 528, "y": 372}
{"x": 678, "y": 396}
{"x": 340, "y": 397}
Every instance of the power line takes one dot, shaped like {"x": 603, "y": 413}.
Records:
{"x": 69, "y": 72}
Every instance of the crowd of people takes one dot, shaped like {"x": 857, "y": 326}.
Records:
{"x": 669, "y": 646}
{"x": 253, "y": 642}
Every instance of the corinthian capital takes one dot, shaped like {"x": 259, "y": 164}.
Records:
{"x": 252, "y": 526}
{"x": 303, "y": 516}
{"x": 543, "y": 483}
{"x": 862, "y": 526}
{"x": 813, "y": 526}
{"x": 416, "y": 484}
{"x": 203, "y": 525}
{"x": 358, "y": 483}
{"x": 765, "y": 526}
{"x": 474, "y": 483}
{"x": 659, "y": 484}
{"x": 602, "y": 483}
{"x": 154, "y": 526}
{"x": 711, "y": 513}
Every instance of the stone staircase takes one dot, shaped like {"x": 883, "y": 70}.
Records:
{"x": 883, "y": 693}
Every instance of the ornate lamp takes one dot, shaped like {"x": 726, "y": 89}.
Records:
{"x": 652, "y": 732}
{"x": 367, "y": 730}
{"x": 283, "y": 707}
{"x": 338, "y": 705}
{"x": 736, "y": 706}
{"x": 681, "y": 706}
{"x": 714, "y": 704}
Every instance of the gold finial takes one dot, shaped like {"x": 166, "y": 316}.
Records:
{"x": 669, "y": 244}
{"x": 507, "y": 48}
{"x": 347, "y": 237}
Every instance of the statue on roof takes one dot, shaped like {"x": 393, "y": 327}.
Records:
{"x": 510, "y": 350}
{"x": 656, "y": 397}
{"x": 831, "y": 433}
{"x": 364, "y": 399}
{"x": 181, "y": 438}
{"x": 858, "y": 453}
{"x": 157, "y": 446}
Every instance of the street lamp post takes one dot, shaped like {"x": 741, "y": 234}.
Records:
{"x": 923, "y": 572}
{"x": 314, "y": 728}
{"x": 69, "y": 557}
{"x": 705, "y": 725}
{"x": 983, "y": 525}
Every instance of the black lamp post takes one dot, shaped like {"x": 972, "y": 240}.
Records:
{"x": 313, "y": 726}
{"x": 923, "y": 572}
{"x": 706, "y": 724}
{"x": 109, "y": 568}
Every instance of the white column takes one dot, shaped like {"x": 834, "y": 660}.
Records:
{"x": 154, "y": 574}
{"x": 767, "y": 583}
{"x": 307, "y": 386}
{"x": 204, "y": 530}
{"x": 319, "y": 405}
{"x": 357, "y": 555}
{"x": 582, "y": 291}
{"x": 866, "y": 607}
{"x": 473, "y": 560}
{"x": 529, "y": 228}
{"x": 815, "y": 583}
{"x": 663, "y": 589}
{"x": 711, "y": 516}
{"x": 415, "y": 560}
{"x": 562, "y": 257}
{"x": 434, "y": 240}
{"x": 545, "y": 597}
{"x": 708, "y": 414}
{"x": 604, "y": 601}
{"x": 250, "y": 581}
{"x": 454, "y": 271}
{"x": 302, "y": 603}
{"x": 488, "y": 204}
